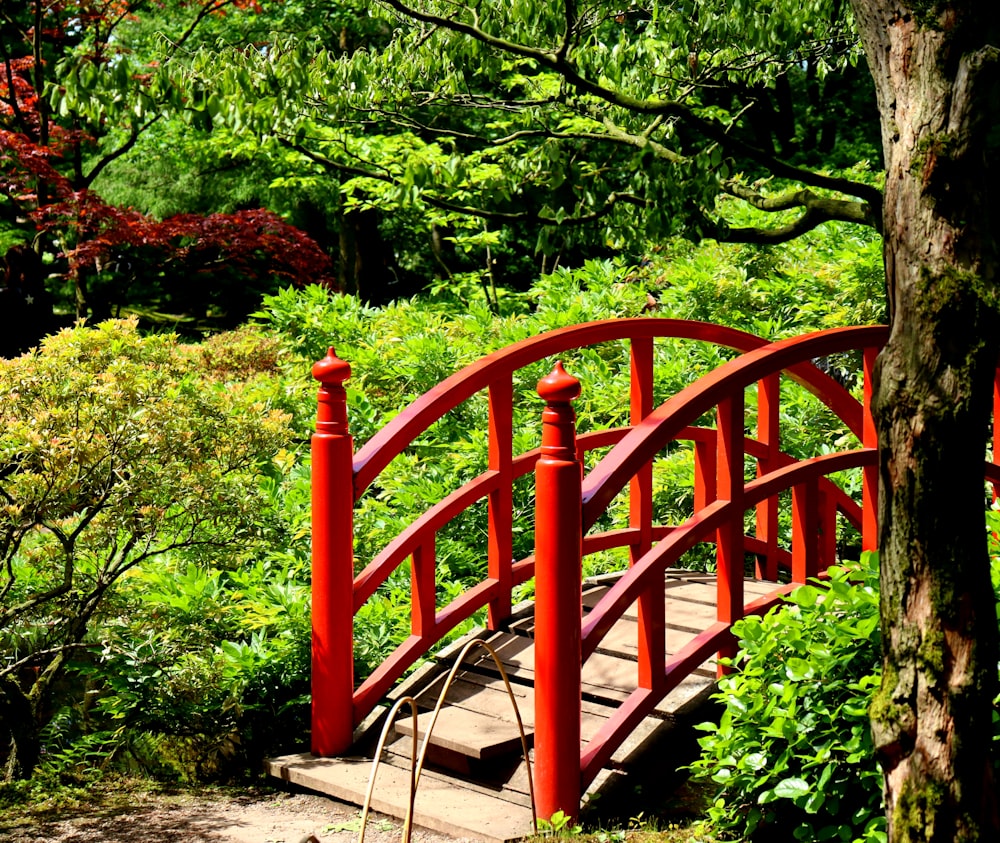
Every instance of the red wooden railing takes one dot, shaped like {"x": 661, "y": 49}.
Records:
{"x": 568, "y": 505}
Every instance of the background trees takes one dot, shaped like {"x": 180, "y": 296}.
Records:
{"x": 80, "y": 85}
{"x": 560, "y": 115}
{"x": 503, "y": 148}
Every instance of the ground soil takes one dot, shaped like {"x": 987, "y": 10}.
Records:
{"x": 251, "y": 816}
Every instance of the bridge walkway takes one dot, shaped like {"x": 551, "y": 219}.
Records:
{"x": 475, "y": 783}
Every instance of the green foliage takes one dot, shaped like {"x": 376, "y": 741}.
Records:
{"x": 212, "y": 670}
{"x": 534, "y": 128}
{"x": 399, "y": 351}
{"x": 119, "y": 454}
{"x": 792, "y": 753}
{"x": 559, "y": 825}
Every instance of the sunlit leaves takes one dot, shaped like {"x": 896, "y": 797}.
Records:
{"x": 113, "y": 451}
{"x": 793, "y": 749}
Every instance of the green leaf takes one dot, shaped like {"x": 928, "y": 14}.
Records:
{"x": 791, "y": 788}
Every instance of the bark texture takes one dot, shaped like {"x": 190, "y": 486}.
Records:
{"x": 935, "y": 66}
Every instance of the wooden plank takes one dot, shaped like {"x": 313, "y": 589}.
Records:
{"x": 505, "y": 778}
{"x": 466, "y": 732}
{"x": 688, "y": 589}
{"x": 486, "y": 694}
{"x": 605, "y": 678}
{"x": 443, "y": 803}
{"x": 622, "y": 639}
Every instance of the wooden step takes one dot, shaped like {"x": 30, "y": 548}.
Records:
{"x": 443, "y": 803}
{"x": 466, "y": 732}
{"x": 607, "y": 679}
{"x": 504, "y": 776}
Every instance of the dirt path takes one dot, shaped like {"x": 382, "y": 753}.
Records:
{"x": 215, "y": 817}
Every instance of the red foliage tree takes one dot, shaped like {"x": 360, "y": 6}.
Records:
{"x": 213, "y": 265}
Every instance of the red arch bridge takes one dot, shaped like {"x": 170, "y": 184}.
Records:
{"x": 590, "y": 664}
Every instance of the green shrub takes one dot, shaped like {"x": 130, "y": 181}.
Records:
{"x": 122, "y": 458}
{"x": 792, "y": 753}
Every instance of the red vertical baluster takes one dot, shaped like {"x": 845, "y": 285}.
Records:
{"x": 768, "y": 397}
{"x": 704, "y": 470}
{"x": 729, "y": 486}
{"x": 332, "y": 563}
{"x": 500, "y": 505}
{"x": 423, "y": 599}
{"x": 652, "y": 624}
{"x": 996, "y": 424}
{"x": 641, "y": 485}
{"x": 869, "y": 477}
{"x": 805, "y": 505}
{"x": 558, "y": 600}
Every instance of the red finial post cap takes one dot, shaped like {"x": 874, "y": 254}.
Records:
{"x": 331, "y": 369}
{"x": 558, "y": 386}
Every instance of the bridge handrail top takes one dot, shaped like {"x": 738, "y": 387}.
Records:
{"x": 647, "y": 437}
{"x": 388, "y": 442}
{"x": 376, "y": 454}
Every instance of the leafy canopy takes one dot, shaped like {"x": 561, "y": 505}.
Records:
{"x": 585, "y": 123}
{"x": 113, "y": 452}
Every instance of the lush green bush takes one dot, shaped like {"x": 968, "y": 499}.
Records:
{"x": 792, "y": 752}
{"x": 124, "y": 461}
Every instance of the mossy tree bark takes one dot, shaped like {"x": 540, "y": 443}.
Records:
{"x": 936, "y": 67}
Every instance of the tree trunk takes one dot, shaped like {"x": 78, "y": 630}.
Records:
{"x": 18, "y": 718}
{"x": 935, "y": 73}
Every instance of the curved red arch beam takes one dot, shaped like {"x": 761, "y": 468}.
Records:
{"x": 648, "y": 437}
{"x": 696, "y": 529}
{"x": 376, "y": 454}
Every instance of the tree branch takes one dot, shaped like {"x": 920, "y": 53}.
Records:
{"x": 119, "y": 152}
{"x": 710, "y": 128}
{"x": 203, "y": 12}
{"x": 9, "y": 668}
{"x": 818, "y": 210}
{"x": 610, "y": 202}
{"x": 569, "y": 9}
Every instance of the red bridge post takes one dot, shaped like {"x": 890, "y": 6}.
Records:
{"x": 558, "y": 612}
{"x": 332, "y": 563}
{"x": 869, "y": 474}
{"x": 729, "y": 536}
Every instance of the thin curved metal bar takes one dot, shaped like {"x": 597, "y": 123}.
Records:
{"x": 377, "y": 760}
{"x": 517, "y": 716}
{"x": 369, "y": 692}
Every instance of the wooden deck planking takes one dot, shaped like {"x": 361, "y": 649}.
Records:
{"x": 489, "y": 801}
{"x": 443, "y": 803}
